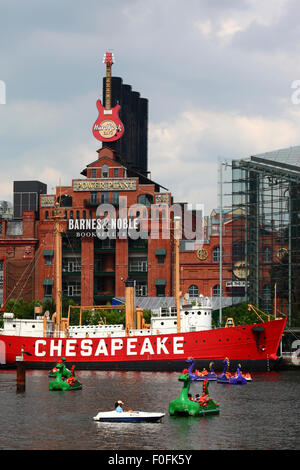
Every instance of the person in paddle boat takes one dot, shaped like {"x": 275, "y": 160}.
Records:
{"x": 190, "y": 397}
{"x": 118, "y": 406}
{"x": 201, "y": 399}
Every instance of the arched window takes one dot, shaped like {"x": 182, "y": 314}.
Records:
{"x": 216, "y": 254}
{"x": 104, "y": 171}
{"x": 216, "y": 290}
{"x": 193, "y": 291}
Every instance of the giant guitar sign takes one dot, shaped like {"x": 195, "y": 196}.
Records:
{"x": 108, "y": 126}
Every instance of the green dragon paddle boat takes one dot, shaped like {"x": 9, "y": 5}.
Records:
{"x": 66, "y": 371}
{"x": 184, "y": 406}
{"x": 61, "y": 382}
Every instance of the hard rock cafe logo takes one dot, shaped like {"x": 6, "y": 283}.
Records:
{"x": 281, "y": 252}
{"x": 107, "y": 129}
{"x": 240, "y": 270}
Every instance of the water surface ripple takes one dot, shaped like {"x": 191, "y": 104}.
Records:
{"x": 263, "y": 414}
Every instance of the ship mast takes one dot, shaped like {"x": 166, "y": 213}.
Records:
{"x": 58, "y": 268}
{"x": 177, "y": 273}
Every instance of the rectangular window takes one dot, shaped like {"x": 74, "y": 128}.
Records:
{"x": 141, "y": 289}
{"x": 93, "y": 197}
{"x": 116, "y": 172}
{"x": 216, "y": 254}
{"x": 74, "y": 290}
{"x": 71, "y": 265}
{"x": 160, "y": 259}
{"x": 104, "y": 197}
{"x": 160, "y": 291}
{"x": 48, "y": 290}
{"x": 93, "y": 173}
{"x": 160, "y": 254}
{"x": 115, "y": 198}
{"x": 138, "y": 265}
{"x": 48, "y": 256}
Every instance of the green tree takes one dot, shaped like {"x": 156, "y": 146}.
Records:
{"x": 20, "y": 308}
{"x": 240, "y": 314}
{"x": 147, "y": 316}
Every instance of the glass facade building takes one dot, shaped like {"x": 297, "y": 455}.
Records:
{"x": 266, "y": 230}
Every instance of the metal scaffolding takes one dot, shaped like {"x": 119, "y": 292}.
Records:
{"x": 266, "y": 230}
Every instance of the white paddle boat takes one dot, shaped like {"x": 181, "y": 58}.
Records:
{"x": 128, "y": 416}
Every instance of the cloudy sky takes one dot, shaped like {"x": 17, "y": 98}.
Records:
{"x": 218, "y": 75}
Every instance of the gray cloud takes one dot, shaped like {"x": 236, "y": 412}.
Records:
{"x": 227, "y": 65}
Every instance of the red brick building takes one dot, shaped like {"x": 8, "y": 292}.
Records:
{"x": 94, "y": 270}
{"x": 18, "y": 245}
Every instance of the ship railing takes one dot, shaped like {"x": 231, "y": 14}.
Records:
{"x": 163, "y": 314}
{"x": 96, "y": 327}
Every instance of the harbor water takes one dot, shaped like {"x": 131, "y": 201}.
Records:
{"x": 263, "y": 414}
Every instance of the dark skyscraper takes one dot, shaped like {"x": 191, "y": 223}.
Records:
{"x": 133, "y": 145}
{"x": 27, "y": 197}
